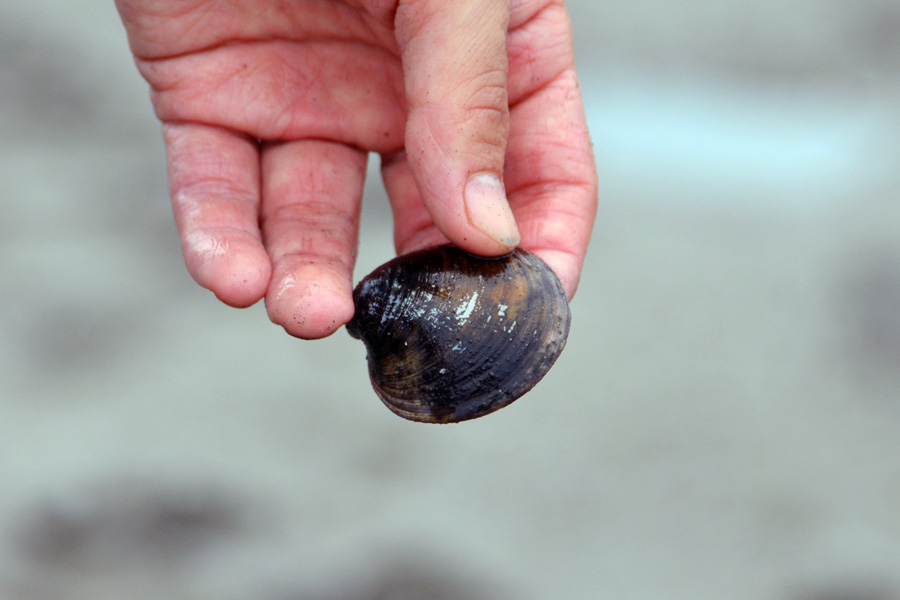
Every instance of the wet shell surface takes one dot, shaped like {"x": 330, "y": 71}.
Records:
{"x": 451, "y": 336}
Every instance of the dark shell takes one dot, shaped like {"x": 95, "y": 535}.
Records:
{"x": 451, "y": 336}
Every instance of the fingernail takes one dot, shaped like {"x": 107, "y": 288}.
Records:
{"x": 488, "y": 210}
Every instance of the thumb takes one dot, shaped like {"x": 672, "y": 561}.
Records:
{"x": 455, "y": 67}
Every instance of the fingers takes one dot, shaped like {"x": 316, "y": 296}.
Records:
{"x": 550, "y": 171}
{"x": 214, "y": 185}
{"x": 455, "y": 70}
{"x": 302, "y": 261}
{"x": 310, "y": 215}
{"x": 413, "y": 227}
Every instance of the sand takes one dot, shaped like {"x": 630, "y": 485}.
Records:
{"x": 722, "y": 424}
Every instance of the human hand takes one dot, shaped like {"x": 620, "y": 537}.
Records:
{"x": 269, "y": 110}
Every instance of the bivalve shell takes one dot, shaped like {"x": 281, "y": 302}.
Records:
{"x": 451, "y": 336}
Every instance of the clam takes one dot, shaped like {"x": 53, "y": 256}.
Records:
{"x": 451, "y": 336}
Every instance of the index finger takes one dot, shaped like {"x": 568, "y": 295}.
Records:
{"x": 550, "y": 174}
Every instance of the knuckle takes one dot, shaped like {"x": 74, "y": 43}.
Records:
{"x": 486, "y": 116}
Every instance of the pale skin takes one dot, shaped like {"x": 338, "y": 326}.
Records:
{"x": 270, "y": 108}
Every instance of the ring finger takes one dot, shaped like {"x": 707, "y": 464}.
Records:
{"x": 311, "y": 192}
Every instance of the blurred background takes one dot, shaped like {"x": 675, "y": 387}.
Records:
{"x": 723, "y": 423}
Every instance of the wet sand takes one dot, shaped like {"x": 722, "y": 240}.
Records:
{"x": 722, "y": 424}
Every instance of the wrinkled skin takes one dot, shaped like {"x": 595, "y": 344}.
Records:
{"x": 270, "y": 107}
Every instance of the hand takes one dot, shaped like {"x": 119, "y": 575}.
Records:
{"x": 269, "y": 110}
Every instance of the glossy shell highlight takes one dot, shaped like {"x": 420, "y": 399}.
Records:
{"x": 451, "y": 336}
